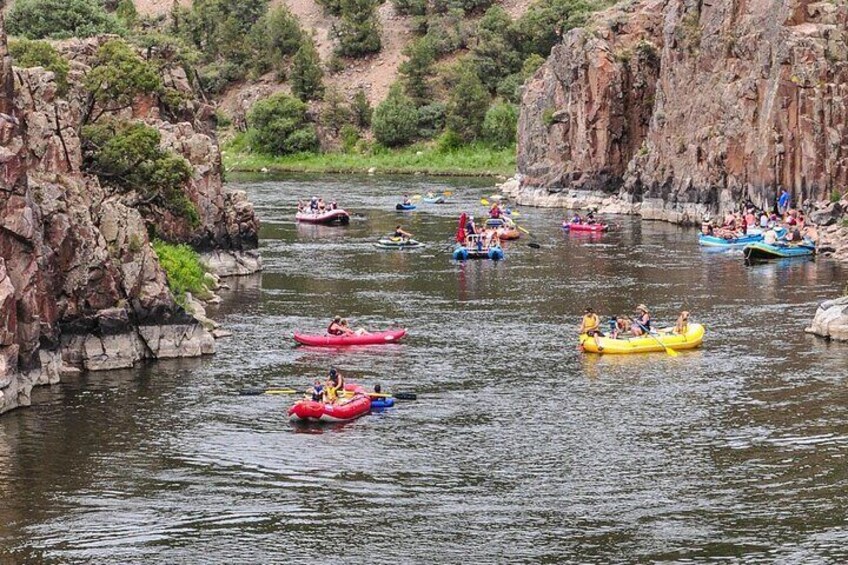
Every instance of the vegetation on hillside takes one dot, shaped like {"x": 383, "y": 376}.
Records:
{"x": 28, "y": 54}
{"x": 183, "y": 268}
{"x": 60, "y": 19}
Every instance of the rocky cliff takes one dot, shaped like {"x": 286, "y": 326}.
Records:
{"x": 680, "y": 108}
{"x": 80, "y": 285}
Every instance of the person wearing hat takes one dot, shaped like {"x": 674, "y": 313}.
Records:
{"x": 641, "y": 324}
{"x": 335, "y": 327}
{"x": 591, "y": 326}
{"x": 334, "y": 385}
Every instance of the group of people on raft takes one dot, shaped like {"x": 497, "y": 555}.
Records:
{"x": 739, "y": 224}
{"x": 624, "y": 327}
{"x": 316, "y": 205}
{"x": 331, "y": 390}
{"x": 588, "y": 220}
{"x": 340, "y": 326}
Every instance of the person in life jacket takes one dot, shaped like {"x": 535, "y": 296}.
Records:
{"x": 316, "y": 391}
{"x": 591, "y": 326}
{"x": 313, "y": 205}
{"x": 641, "y": 324}
{"x": 335, "y": 327}
{"x": 334, "y": 385}
{"x": 495, "y": 211}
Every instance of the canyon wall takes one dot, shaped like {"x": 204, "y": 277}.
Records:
{"x": 80, "y": 285}
{"x": 675, "y": 109}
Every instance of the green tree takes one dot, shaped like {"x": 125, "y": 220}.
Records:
{"x": 306, "y": 74}
{"x": 358, "y": 31}
{"x": 546, "y": 21}
{"x": 467, "y": 105}
{"x": 361, "y": 109}
{"x": 417, "y": 69}
{"x": 336, "y": 113}
{"x": 126, "y": 13}
{"x": 495, "y": 55}
{"x": 395, "y": 121}
{"x": 127, "y": 156}
{"x": 118, "y": 75}
{"x": 500, "y": 124}
{"x": 274, "y": 39}
{"x": 59, "y": 19}
{"x": 28, "y": 54}
{"x": 278, "y": 126}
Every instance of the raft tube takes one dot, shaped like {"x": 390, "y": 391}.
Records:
{"x": 344, "y": 410}
{"x": 376, "y": 338}
{"x": 508, "y": 233}
{"x": 404, "y": 207}
{"x": 566, "y": 225}
{"x": 462, "y": 253}
{"x": 329, "y": 218}
{"x": 762, "y": 251}
{"x": 496, "y": 253}
{"x": 381, "y": 403}
{"x": 646, "y": 344}
{"x": 398, "y": 243}
{"x": 736, "y": 242}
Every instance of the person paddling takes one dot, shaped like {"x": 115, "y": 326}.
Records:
{"x": 642, "y": 324}
{"x": 591, "y": 326}
{"x": 400, "y": 233}
{"x": 335, "y": 327}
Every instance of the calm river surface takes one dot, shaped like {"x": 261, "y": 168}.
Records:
{"x": 519, "y": 449}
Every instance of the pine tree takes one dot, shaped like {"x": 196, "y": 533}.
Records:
{"x": 306, "y": 73}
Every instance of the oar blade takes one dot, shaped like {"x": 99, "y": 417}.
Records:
{"x": 671, "y": 352}
{"x": 534, "y": 245}
{"x": 484, "y": 202}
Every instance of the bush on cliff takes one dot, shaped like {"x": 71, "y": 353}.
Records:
{"x": 395, "y": 120}
{"x": 306, "y": 74}
{"x": 60, "y": 19}
{"x": 358, "y": 31}
{"x": 26, "y": 54}
{"x": 183, "y": 269}
{"x": 117, "y": 77}
{"x": 279, "y": 125}
{"x": 127, "y": 156}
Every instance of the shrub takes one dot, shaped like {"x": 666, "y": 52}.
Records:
{"x": 546, "y": 21}
{"x": 467, "y": 105}
{"x": 417, "y": 69}
{"x": 431, "y": 120}
{"x": 126, "y": 13}
{"x": 335, "y": 113}
{"x": 183, "y": 269}
{"x": 278, "y": 126}
{"x": 531, "y": 65}
{"x": 277, "y": 36}
{"x": 395, "y": 119}
{"x": 59, "y": 19}
{"x": 306, "y": 74}
{"x": 495, "y": 55}
{"x": 509, "y": 88}
{"x": 117, "y": 77}
{"x": 350, "y": 138}
{"x": 448, "y": 142}
{"x": 358, "y": 31}
{"x": 449, "y": 32}
{"x": 361, "y": 109}
{"x": 500, "y": 124}
{"x": 410, "y": 7}
{"x": 26, "y": 54}
{"x": 127, "y": 156}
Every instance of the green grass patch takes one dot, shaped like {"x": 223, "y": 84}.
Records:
{"x": 468, "y": 160}
{"x": 183, "y": 268}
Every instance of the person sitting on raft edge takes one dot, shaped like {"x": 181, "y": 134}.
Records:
{"x": 335, "y": 327}
{"x": 399, "y": 232}
{"x": 591, "y": 326}
{"x": 641, "y": 324}
{"x": 334, "y": 386}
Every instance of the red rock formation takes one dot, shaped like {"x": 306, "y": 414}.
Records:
{"x": 743, "y": 98}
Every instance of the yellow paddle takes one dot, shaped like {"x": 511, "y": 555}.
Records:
{"x": 668, "y": 350}
{"x": 257, "y": 391}
{"x": 416, "y": 197}
{"x": 448, "y": 193}
{"x": 484, "y": 202}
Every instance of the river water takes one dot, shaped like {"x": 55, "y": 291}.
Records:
{"x": 518, "y": 449}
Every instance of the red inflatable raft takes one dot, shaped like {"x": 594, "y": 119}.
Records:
{"x": 376, "y": 338}
{"x": 344, "y": 410}
{"x": 566, "y": 225}
{"x": 329, "y": 217}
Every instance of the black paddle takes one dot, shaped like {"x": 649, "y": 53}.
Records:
{"x": 401, "y": 395}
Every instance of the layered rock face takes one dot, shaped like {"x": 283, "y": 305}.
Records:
{"x": 80, "y": 285}
{"x": 831, "y": 320}
{"x": 681, "y": 108}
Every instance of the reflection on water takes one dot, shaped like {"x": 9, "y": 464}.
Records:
{"x": 519, "y": 448}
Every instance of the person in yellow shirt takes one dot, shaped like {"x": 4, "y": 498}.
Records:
{"x": 591, "y": 326}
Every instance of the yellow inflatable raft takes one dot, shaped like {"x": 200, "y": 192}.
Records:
{"x": 645, "y": 344}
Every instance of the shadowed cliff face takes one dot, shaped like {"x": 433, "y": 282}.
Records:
{"x": 686, "y": 108}
{"x": 80, "y": 285}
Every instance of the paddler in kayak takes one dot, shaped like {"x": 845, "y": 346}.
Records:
{"x": 591, "y": 326}
{"x": 495, "y": 211}
{"x": 642, "y": 323}
{"x": 347, "y": 330}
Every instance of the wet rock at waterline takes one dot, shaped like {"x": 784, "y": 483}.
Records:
{"x": 683, "y": 109}
{"x": 80, "y": 285}
{"x": 831, "y": 320}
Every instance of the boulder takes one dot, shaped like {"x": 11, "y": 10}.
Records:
{"x": 831, "y": 320}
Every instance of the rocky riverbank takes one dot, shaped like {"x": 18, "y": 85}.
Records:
{"x": 80, "y": 285}
{"x": 831, "y": 320}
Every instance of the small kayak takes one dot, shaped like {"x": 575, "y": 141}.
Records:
{"x": 398, "y": 243}
{"x": 330, "y": 217}
{"x": 381, "y": 403}
{"x": 344, "y": 410}
{"x": 566, "y": 225}
{"x": 435, "y": 200}
{"x": 736, "y": 242}
{"x": 762, "y": 251}
{"x": 376, "y": 338}
{"x": 404, "y": 207}
{"x": 646, "y": 344}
